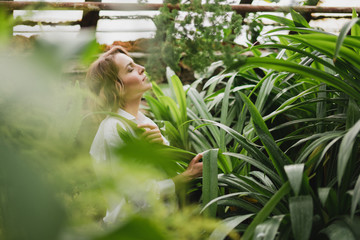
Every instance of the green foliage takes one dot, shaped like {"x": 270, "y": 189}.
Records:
{"x": 288, "y": 124}
{"x": 193, "y": 35}
{"x": 172, "y": 110}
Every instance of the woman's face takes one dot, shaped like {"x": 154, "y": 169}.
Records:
{"x": 133, "y": 77}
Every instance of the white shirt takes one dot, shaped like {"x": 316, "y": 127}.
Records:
{"x": 105, "y": 140}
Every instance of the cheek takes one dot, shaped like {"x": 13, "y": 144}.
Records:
{"x": 130, "y": 80}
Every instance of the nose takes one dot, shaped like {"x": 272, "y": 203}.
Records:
{"x": 141, "y": 69}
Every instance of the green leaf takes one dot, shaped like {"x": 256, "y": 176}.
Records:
{"x": 345, "y": 150}
{"x": 244, "y": 142}
{"x": 174, "y": 110}
{"x": 129, "y": 230}
{"x": 277, "y": 157}
{"x": 326, "y": 46}
{"x": 278, "y": 19}
{"x": 296, "y": 97}
{"x": 210, "y": 181}
{"x": 172, "y": 134}
{"x": 230, "y": 197}
{"x": 313, "y": 56}
{"x": 295, "y": 173}
{"x": 301, "y": 214}
{"x": 268, "y": 229}
{"x": 355, "y": 30}
{"x": 200, "y": 106}
{"x": 329, "y": 200}
{"x": 338, "y": 230}
{"x": 297, "y": 29}
{"x": 225, "y": 110}
{"x": 321, "y": 106}
{"x": 224, "y": 163}
{"x": 324, "y": 195}
{"x": 355, "y": 198}
{"x": 157, "y": 90}
{"x": 352, "y": 114}
{"x": 180, "y": 96}
{"x": 299, "y": 21}
{"x": 157, "y": 108}
{"x": 227, "y": 225}
{"x": 258, "y": 164}
{"x": 199, "y": 139}
{"x": 342, "y": 35}
{"x": 266, "y": 210}
{"x": 318, "y": 143}
{"x": 321, "y": 76}
{"x": 254, "y": 186}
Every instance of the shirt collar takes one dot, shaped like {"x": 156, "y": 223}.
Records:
{"x": 125, "y": 114}
{"x": 129, "y": 116}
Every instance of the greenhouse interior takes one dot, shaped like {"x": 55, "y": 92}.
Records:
{"x": 180, "y": 120}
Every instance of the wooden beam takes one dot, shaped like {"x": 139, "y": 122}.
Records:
{"x": 90, "y": 18}
{"x": 97, "y": 6}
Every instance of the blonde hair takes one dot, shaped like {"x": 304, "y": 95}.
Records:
{"x": 103, "y": 80}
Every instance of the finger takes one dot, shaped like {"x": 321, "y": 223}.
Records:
{"x": 152, "y": 136}
{"x": 148, "y": 125}
{"x": 196, "y": 159}
{"x": 151, "y": 132}
{"x": 156, "y": 140}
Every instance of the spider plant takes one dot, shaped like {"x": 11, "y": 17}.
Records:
{"x": 294, "y": 137}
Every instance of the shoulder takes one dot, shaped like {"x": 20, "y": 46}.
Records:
{"x": 144, "y": 119}
{"x": 111, "y": 123}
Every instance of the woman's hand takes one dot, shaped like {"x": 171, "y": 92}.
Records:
{"x": 152, "y": 133}
{"x": 194, "y": 170}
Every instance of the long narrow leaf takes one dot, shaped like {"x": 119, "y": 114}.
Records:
{"x": 355, "y": 30}
{"x": 266, "y": 210}
{"x": 224, "y": 110}
{"x": 225, "y": 197}
{"x": 355, "y": 198}
{"x": 227, "y": 225}
{"x": 277, "y": 156}
{"x": 338, "y": 230}
{"x": 298, "y": 19}
{"x": 268, "y": 229}
{"x": 301, "y": 214}
{"x": 295, "y": 173}
{"x": 343, "y": 32}
{"x": 278, "y": 19}
{"x": 210, "y": 181}
{"x": 245, "y": 143}
{"x": 346, "y": 148}
{"x": 200, "y": 106}
{"x": 321, "y": 76}
{"x": 266, "y": 169}
{"x": 174, "y": 110}
{"x": 180, "y": 96}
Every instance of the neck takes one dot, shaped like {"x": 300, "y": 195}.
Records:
{"x": 132, "y": 106}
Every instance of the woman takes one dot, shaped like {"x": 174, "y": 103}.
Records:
{"x": 120, "y": 83}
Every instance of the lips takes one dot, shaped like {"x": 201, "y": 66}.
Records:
{"x": 145, "y": 78}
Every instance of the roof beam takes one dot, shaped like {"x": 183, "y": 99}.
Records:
{"x": 97, "y": 6}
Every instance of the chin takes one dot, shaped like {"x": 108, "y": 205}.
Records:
{"x": 149, "y": 86}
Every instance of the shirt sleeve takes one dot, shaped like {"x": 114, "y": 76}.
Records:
{"x": 166, "y": 188}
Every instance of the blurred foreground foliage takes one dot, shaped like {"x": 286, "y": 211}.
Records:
{"x": 48, "y": 187}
